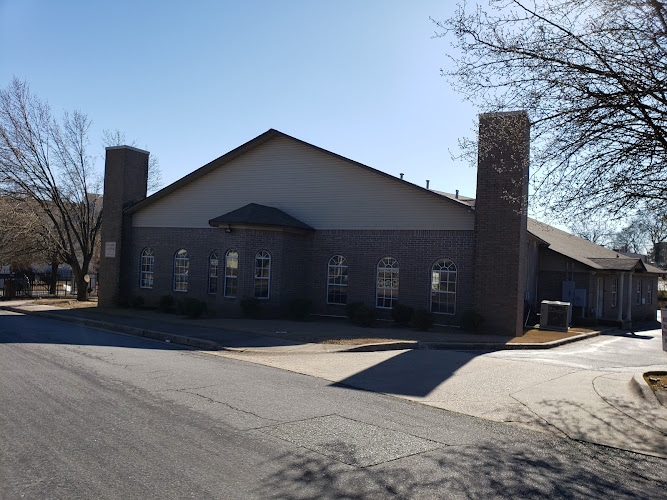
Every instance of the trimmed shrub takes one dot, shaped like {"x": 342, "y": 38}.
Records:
{"x": 136, "y": 301}
{"x": 471, "y": 320}
{"x": 422, "y": 320}
{"x": 122, "y": 301}
{"x": 251, "y": 307}
{"x": 359, "y": 314}
{"x": 401, "y": 314}
{"x": 585, "y": 322}
{"x": 193, "y": 308}
{"x": 299, "y": 309}
{"x": 166, "y": 304}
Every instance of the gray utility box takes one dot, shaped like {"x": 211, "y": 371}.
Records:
{"x": 555, "y": 315}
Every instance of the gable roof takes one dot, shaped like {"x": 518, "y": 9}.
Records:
{"x": 584, "y": 251}
{"x": 254, "y": 214}
{"x": 574, "y": 247}
{"x": 256, "y": 142}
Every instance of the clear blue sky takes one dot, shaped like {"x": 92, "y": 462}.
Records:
{"x": 190, "y": 81}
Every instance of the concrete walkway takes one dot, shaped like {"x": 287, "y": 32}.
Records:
{"x": 605, "y": 403}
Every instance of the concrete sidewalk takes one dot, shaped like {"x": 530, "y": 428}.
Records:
{"x": 611, "y": 407}
{"x": 275, "y": 335}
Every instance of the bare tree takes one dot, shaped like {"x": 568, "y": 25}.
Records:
{"x": 653, "y": 224}
{"x": 631, "y": 239}
{"x": 591, "y": 74}
{"x": 597, "y": 230}
{"x": 45, "y": 162}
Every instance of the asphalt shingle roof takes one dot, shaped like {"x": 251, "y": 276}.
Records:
{"x": 254, "y": 214}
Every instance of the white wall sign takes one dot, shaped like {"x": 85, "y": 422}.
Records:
{"x": 110, "y": 249}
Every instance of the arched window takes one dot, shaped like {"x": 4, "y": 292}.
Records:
{"x": 337, "y": 280}
{"x": 443, "y": 287}
{"x": 387, "y": 283}
{"x": 231, "y": 273}
{"x": 213, "y": 272}
{"x": 262, "y": 274}
{"x": 147, "y": 263}
{"x": 181, "y": 270}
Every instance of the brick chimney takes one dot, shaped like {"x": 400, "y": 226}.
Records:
{"x": 500, "y": 221}
{"x": 125, "y": 183}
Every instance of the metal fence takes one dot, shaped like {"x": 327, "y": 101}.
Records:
{"x": 22, "y": 287}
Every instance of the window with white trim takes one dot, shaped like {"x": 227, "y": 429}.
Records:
{"x": 213, "y": 262}
{"x": 147, "y": 266}
{"x": 231, "y": 273}
{"x": 262, "y": 274}
{"x": 386, "y": 293}
{"x": 443, "y": 287}
{"x": 639, "y": 292}
{"x": 614, "y": 292}
{"x": 337, "y": 280}
{"x": 181, "y": 270}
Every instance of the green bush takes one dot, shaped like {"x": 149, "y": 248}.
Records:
{"x": 471, "y": 320}
{"x": 166, "y": 304}
{"x": 193, "y": 308}
{"x": 359, "y": 314}
{"x": 251, "y": 307}
{"x": 662, "y": 294}
{"x": 299, "y": 309}
{"x": 136, "y": 301}
{"x": 401, "y": 314}
{"x": 422, "y": 320}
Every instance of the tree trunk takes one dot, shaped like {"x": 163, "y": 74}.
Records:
{"x": 81, "y": 288}
{"x": 53, "y": 282}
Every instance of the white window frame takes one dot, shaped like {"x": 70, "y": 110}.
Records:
{"x": 614, "y": 292}
{"x": 265, "y": 257}
{"x": 229, "y": 278}
{"x": 213, "y": 267}
{"x": 337, "y": 277}
{"x": 388, "y": 273}
{"x": 181, "y": 270}
{"x": 447, "y": 268}
{"x": 146, "y": 268}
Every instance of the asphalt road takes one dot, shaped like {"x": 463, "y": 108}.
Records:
{"x": 92, "y": 414}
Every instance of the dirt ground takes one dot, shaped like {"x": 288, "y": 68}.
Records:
{"x": 656, "y": 380}
{"x": 66, "y": 303}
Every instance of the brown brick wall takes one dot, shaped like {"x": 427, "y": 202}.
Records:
{"x": 501, "y": 248}
{"x": 125, "y": 180}
{"x": 299, "y": 264}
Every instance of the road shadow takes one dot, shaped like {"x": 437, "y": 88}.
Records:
{"x": 548, "y": 468}
{"x": 24, "y": 329}
{"x": 410, "y": 373}
{"x": 84, "y": 328}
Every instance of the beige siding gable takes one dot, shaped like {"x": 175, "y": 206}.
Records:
{"x": 317, "y": 188}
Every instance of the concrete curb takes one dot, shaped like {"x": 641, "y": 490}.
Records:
{"x": 468, "y": 346}
{"x": 640, "y": 386}
{"x": 214, "y": 346}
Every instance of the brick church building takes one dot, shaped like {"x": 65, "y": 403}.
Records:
{"x": 279, "y": 219}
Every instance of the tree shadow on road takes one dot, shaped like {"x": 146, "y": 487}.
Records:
{"x": 555, "y": 468}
